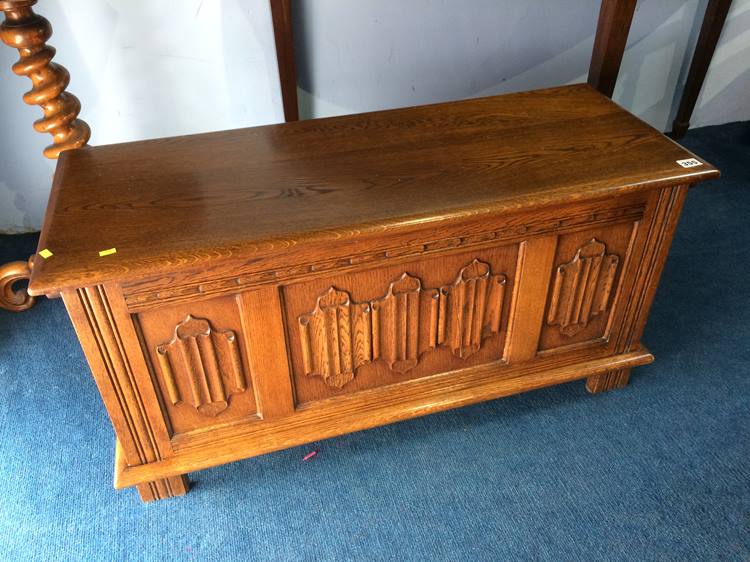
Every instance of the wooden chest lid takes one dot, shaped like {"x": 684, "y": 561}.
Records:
{"x": 188, "y": 202}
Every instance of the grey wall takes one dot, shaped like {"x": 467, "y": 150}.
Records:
{"x": 145, "y": 68}
{"x": 364, "y": 55}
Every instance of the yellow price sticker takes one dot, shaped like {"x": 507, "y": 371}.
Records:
{"x": 46, "y": 253}
{"x": 108, "y": 252}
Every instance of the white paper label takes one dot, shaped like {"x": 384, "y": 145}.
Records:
{"x": 689, "y": 162}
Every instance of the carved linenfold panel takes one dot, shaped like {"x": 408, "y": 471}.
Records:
{"x": 395, "y": 324}
{"x": 582, "y": 288}
{"x": 339, "y": 336}
{"x": 28, "y": 32}
{"x": 335, "y": 338}
{"x": 201, "y": 366}
{"x": 476, "y": 300}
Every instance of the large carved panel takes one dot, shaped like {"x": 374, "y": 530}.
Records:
{"x": 584, "y": 287}
{"x": 383, "y": 326}
{"x": 199, "y": 362}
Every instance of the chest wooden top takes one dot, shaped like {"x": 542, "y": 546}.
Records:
{"x": 189, "y": 202}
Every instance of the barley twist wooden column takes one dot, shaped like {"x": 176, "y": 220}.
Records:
{"x": 28, "y": 32}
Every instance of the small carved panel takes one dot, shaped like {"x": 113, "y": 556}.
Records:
{"x": 199, "y": 362}
{"x": 202, "y": 366}
{"x": 582, "y": 288}
{"x": 338, "y": 336}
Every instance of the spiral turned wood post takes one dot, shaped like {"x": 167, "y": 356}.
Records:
{"x": 28, "y": 32}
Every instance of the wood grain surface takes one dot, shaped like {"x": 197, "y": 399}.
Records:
{"x": 193, "y": 202}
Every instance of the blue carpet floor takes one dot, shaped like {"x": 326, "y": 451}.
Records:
{"x": 657, "y": 471}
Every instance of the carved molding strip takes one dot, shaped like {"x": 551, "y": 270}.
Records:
{"x": 202, "y": 366}
{"x": 582, "y": 288}
{"x": 140, "y": 298}
{"x": 339, "y": 336}
{"x": 125, "y": 401}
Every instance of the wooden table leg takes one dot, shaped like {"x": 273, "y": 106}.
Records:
{"x": 612, "y": 31}
{"x": 28, "y": 32}
{"x": 713, "y": 23}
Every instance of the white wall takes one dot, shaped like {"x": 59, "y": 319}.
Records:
{"x": 358, "y": 56}
{"x": 150, "y": 68}
{"x": 142, "y": 69}
{"x": 725, "y": 96}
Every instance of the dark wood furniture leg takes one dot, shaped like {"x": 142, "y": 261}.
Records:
{"x": 612, "y": 31}
{"x": 28, "y": 32}
{"x": 713, "y": 23}
{"x": 281, "y": 13}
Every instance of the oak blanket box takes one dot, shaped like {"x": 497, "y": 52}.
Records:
{"x": 241, "y": 292}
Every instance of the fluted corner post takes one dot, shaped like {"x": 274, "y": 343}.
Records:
{"x": 28, "y": 32}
